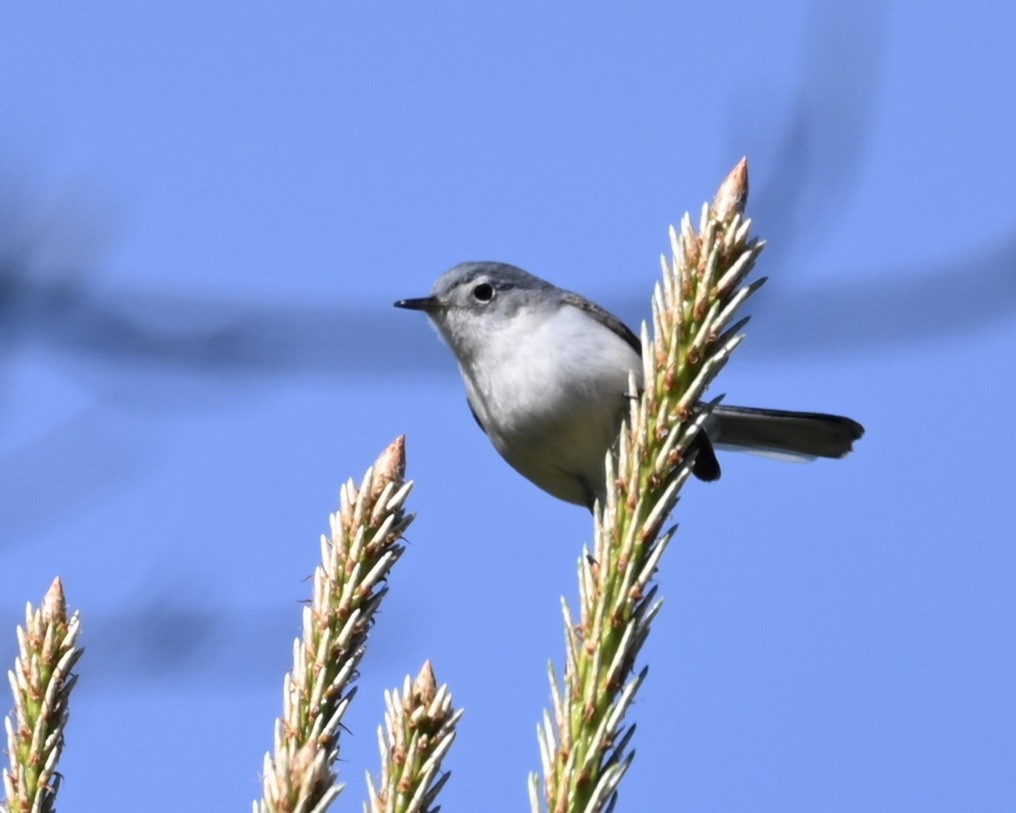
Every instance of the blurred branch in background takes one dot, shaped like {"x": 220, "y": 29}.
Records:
{"x": 109, "y": 334}
{"x": 819, "y": 150}
{"x": 62, "y": 471}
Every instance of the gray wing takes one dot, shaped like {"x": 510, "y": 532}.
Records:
{"x": 604, "y": 317}
{"x": 706, "y": 467}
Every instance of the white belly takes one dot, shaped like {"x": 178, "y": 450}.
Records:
{"x": 552, "y": 401}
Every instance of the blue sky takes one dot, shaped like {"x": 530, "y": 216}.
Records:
{"x": 212, "y": 212}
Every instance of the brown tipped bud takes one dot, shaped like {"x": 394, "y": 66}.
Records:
{"x": 425, "y": 685}
{"x": 54, "y": 603}
{"x": 732, "y": 196}
{"x": 390, "y": 466}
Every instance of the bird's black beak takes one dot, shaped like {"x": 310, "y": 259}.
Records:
{"x": 423, "y": 303}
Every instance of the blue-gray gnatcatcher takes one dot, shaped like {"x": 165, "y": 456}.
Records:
{"x": 546, "y": 374}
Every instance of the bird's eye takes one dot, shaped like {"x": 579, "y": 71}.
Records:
{"x": 484, "y": 292}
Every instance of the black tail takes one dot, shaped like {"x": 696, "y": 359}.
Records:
{"x": 801, "y": 435}
{"x": 798, "y": 434}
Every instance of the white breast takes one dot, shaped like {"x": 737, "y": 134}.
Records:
{"x": 550, "y": 392}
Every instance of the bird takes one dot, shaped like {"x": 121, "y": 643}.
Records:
{"x": 546, "y": 374}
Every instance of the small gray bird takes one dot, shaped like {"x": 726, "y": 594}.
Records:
{"x": 546, "y": 374}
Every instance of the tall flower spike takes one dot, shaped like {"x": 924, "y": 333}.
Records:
{"x": 42, "y": 682}
{"x": 365, "y": 544}
{"x": 419, "y": 729}
{"x": 584, "y": 741}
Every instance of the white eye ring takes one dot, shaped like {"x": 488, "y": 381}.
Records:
{"x": 483, "y": 292}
